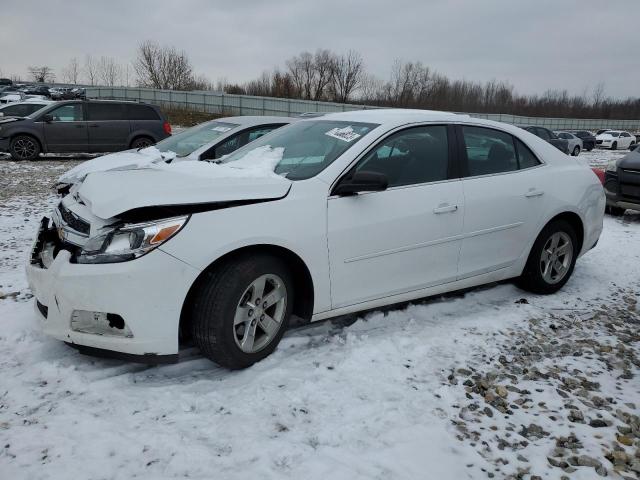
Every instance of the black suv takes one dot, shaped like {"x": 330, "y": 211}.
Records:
{"x": 546, "y": 134}
{"x": 622, "y": 184}
{"x": 92, "y": 126}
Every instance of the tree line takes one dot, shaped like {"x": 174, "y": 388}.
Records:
{"x": 342, "y": 77}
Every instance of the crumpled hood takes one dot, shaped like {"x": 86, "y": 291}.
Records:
{"x": 111, "y": 193}
{"x": 126, "y": 160}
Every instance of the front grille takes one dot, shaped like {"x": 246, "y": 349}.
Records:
{"x": 44, "y": 310}
{"x": 73, "y": 221}
{"x": 598, "y": 142}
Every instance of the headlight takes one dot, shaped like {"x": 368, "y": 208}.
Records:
{"x": 612, "y": 166}
{"x": 129, "y": 241}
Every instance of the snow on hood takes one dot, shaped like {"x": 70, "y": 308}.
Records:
{"x": 110, "y": 193}
{"x": 127, "y": 160}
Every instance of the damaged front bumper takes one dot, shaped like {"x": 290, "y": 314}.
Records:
{"x": 131, "y": 308}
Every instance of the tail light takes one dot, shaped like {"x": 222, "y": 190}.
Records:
{"x": 167, "y": 128}
{"x": 599, "y": 173}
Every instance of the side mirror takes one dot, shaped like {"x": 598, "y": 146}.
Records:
{"x": 47, "y": 118}
{"x": 362, "y": 181}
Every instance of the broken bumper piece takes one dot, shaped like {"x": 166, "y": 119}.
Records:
{"x": 130, "y": 310}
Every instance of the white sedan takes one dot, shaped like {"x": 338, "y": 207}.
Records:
{"x": 616, "y": 140}
{"x": 324, "y": 217}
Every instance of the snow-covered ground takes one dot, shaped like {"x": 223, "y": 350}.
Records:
{"x": 487, "y": 384}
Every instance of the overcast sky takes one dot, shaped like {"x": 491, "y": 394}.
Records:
{"x": 534, "y": 45}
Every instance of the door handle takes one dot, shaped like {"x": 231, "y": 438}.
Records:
{"x": 94, "y": 125}
{"x": 534, "y": 193}
{"x": 445, "y": 208}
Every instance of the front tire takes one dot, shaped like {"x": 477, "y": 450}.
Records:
{"x": 614, "y": 146}
{"x": 576, "y": 151}
{"x": 242, "y": 309}
{"x": 551, "y": 260}
{"x": 24, "y": 147}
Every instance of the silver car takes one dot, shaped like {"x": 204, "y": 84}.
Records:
{"x": 575, "y": 143}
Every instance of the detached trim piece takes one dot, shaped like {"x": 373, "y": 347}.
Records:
{"x": 147, "y": 358}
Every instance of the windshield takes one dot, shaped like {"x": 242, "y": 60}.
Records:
{"x": 613, "y": 134}
{"x": 306, "y": 148}
{"x": 184, "y": 143}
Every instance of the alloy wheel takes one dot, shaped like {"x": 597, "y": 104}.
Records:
{"x": 260, "y": 313}
{"x": 556, "y": 257}
{"x": 24, "y": 148}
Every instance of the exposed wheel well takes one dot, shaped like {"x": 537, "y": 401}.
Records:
{"x": 574, "y": 220}
{"x": 304, "y": 296}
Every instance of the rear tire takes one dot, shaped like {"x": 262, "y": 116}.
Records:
{"x": 614, "y": 211}
{"x": 632, "y": 146}
{"x": 142, "y": 142}
{"x": 576, "y": 151}
{"x": 24, "y": 147}
{"x": 551, "y": 260}
{"x": 230, "y": 323}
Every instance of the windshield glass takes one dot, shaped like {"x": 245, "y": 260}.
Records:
{"x": 306, "y": 148}
{"x": 184, "y": 143}
{"x": 613, "y": 134}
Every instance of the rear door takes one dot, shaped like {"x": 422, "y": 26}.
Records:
{"x": 108, "y": 126}
{"x": 504, "y": 189}
{"x": 67, "y": 131}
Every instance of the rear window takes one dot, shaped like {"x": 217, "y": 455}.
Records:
{"x": 106, "y": 111}
{"x": 142, "y": 112}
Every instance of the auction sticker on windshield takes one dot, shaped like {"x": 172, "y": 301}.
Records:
{"x": 345, "y": 134}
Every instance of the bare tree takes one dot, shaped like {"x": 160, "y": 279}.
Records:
{"x": 42, "y": 74}
{"x": 598, "y": 94}
{"x": 71, "y": 72}
{"x": 346, "y": 75}
{"x": 91, "y": 70}
{"x": 109, "y": 71}
{"x": 163, "y": 67}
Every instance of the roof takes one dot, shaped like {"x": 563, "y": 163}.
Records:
{"x": 249, "y": 120}
{"x": 395, "y": 115}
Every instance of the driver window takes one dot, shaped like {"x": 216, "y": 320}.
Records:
{"x": 412, "y": 156}
{"x": 68, "y": 113}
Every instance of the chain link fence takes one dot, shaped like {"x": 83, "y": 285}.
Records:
{"x": 226, "y": 104}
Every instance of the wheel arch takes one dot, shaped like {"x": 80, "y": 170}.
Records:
{"x": 303, "y": 281}
{"x": 36, "y": 137}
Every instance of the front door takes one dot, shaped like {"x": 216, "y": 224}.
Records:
{"x": 402, "y": 239}
{"x": 67, "y": 131}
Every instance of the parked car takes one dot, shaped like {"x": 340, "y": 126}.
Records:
{"x": 11, "y": 97}
{"x": 22, "y": 109}
{"x": 324, "y": 217}
{"x": 5, "y": 81}
{"x": 83, "y": 126}
{"x": 575, "y": 145}
{"x": 622, "y": 184}
{"x": 615, "y": 140}
{"x": 38, "y": 90}
{"x": 548, "y": 136}
{"x": 588, "y": 139}
{"x": 207, "y": 141}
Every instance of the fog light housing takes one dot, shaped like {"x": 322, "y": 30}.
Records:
{"x": 99, "y": 323}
